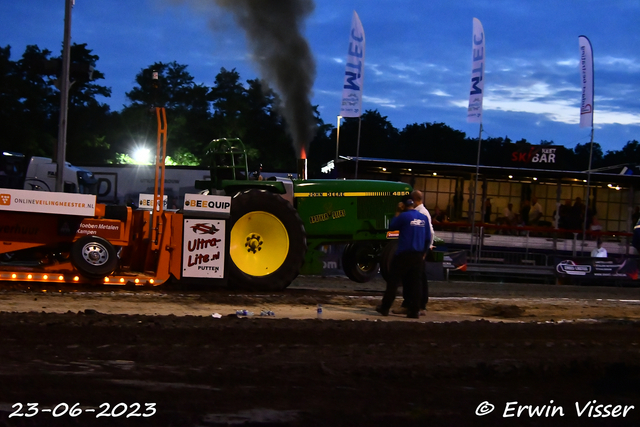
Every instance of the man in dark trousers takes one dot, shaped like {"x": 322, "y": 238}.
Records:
{"x": 418, "y": 205}
{"x": 408, "y": 263}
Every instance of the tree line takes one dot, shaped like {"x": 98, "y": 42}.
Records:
{"x": 229, "y": 108}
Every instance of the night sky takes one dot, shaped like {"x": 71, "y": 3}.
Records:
{"x": 417, "y": 63}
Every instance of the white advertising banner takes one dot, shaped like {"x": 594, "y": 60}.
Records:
{"x": 354, "y": 72}
{"x": 474, "y": 113}
{"x": 203, "y": 244}
{"x": 47, "y": 202}
{"x": 586, "y": 74}
{"x": 145, "y": 201}
{"x": 219, "y": 206}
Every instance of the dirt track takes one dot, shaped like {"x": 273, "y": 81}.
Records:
{"x": 478, "y": 343}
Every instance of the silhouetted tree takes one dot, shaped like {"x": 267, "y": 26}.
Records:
{"x": 28, "y": 97}
{"x": 431, "y": 142}
{"x": 377, "y": 135}
{"x": 581, "y": 159}
{"x": 88, "y": 119}
{"x": 187, "y": 109}
{"x": 30, "y": 104}
{"x": 629, "y": 154}
{"x": 249, "y": 112}
{"x": 322, "y": 148}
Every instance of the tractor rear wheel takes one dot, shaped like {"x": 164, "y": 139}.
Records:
{"x": 359, "y": 261}
{"x": 267, "y": 242}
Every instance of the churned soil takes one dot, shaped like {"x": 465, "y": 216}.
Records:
{"x": 485, "y": 354}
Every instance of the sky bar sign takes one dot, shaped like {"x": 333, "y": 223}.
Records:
{"x": 586, "y": 75}
{"x": 474, "y": 113}
{"x": 354, "y": 71}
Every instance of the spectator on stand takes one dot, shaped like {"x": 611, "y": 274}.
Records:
{"x": 576, "y": 218}
{"x": 439, "y": 216}
{"x": 564, "y": 216}
{"x": 599, "y": 251}
{"x": 508, "y": 217}
{"x": 595, "y": 224}
{"x": 524, "y": 212}
{"x": 535, "y": 213}
{"x": 487, "y": 211}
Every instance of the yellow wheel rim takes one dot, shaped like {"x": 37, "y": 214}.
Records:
{"x": 259, "y": 243}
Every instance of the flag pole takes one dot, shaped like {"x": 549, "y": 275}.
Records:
{"x": 353, "y": 79}
{"x": 586, "y": 205}
{"x": 474, "y": 112}
{"x": 61, "y": 149}
{"x": 475, "y": 191}
{"x": 586, "y": 115}
{"x": 358, "y": 146}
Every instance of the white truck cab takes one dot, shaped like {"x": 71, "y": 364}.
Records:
{"x": 39, "y": 174}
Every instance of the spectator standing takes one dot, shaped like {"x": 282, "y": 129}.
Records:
{"x": 599, "y": 251}
{"x": 509, "y": 217}
{"x": 407, "y": 266}
{"x": 487, "y": 211}
{"x": 535, "y": 214}
{"x": 417, "y": 198}
{"x": 576, "y": 219}
{"x": 564, "y": 215}
{"x": 524, "y": 212}
{"x": 439, "y": 216}
{"x": 595, "y": 223}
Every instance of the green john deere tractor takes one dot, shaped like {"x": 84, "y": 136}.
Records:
{"x": 280, "y": 226}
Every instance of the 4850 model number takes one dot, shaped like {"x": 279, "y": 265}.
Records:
{"x": 133, "y": 410}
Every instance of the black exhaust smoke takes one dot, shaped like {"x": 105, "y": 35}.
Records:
{"x": 283, "y": 56}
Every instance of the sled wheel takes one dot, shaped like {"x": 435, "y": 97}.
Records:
{"x": 359, "y": 261}
{"x": 267, "y": 242}
{"x": 93, "y": 256}
{"x": 386, "y": 258}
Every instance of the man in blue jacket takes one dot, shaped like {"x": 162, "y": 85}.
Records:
{"x": 408, "y": 263}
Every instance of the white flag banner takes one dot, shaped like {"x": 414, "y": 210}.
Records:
{"x": 474, "y": 113}
{"x": 354, "y": 72}
{"x": 586, "y": 74}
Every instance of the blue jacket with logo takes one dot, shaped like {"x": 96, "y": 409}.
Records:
{"x": 415, "y": 232}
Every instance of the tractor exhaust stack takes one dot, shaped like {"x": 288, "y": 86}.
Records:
{"x": 302, "y": 169}
{"x": 302, "y": 164}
